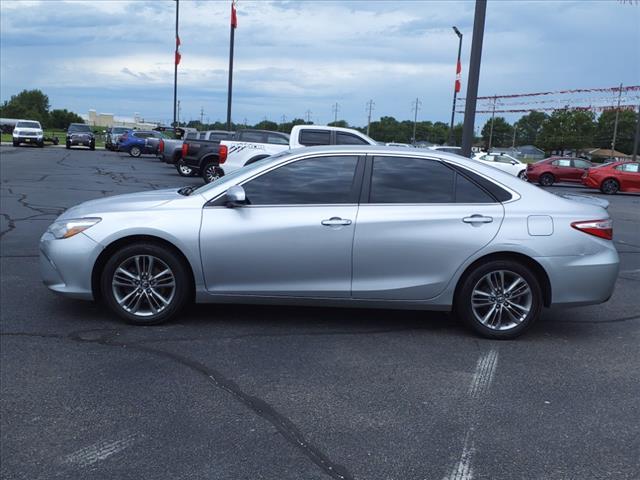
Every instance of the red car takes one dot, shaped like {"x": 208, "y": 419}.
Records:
{"x": 557, "y": 169}
{"x": 614, "y": 177}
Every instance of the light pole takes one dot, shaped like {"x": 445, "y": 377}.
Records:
{"x": 456, "y": 87}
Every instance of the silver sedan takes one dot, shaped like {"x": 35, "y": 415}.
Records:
{"x": 340, "y": 226}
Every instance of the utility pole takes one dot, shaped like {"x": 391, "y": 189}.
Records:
{"x": 636, "y": 140}
{"x": 416, "y": 106}
{"x": 178, "y": 124}
{"x": 370, "y": 105}
{"x": 474, "y": 77}
{"x": 493, "y": 114}
{"x": 335, "y": 109}
{"x": 283, "y": 118}
{"x": 307, "y": 114}
{"x": 615, "y": 125}
{"x": 201, "y": 115}
{"x": 456, "y": 87}
{"x": 175, "y": 69}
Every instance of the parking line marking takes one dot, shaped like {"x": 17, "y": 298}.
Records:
{"x": 478, "y": 389}
{"x": 99, "y": 451}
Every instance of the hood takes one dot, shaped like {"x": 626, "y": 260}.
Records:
{"x": 131, "y": 202}
{"x": 586, "y": 199}
{"x": 28, "y": 130}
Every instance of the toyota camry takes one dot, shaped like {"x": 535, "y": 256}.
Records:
{"x": 362, "y": 226}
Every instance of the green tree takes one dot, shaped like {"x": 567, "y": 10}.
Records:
{"x": 61, "y": 118}
{"x": 625, "y": 134}
{"x": 267, "y": 125}
{"x": 28, "y": 104}
{"x": 502, "y": 135}
{"x": 339, "y": 123}
{"x": 528, "y": 128}
{"x": 567, "y": 129}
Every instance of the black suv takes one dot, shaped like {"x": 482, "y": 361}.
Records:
{"x": 80, "y": 134}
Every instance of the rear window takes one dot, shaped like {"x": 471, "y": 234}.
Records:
{"x": 277, "y": 139}
{"x": 311, "y": 137}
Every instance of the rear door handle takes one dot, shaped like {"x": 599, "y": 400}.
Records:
{"x": 336, "y": 221}
{"x": 477, "y": 219}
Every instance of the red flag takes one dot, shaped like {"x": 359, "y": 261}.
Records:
{"x": 178, "y": 57}
{"x": 458, "y": 76}
{"x": 234, "y": 18}
{"x": 177, "y": 42}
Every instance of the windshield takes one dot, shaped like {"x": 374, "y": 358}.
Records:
{"x": 241, "y": 171}
{"x": 74, "y": 127}
{"x": 28, "y": 125}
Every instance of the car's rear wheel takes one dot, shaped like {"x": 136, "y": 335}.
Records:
{"x": 184, "y": 170}
{"x": 145, "y": 283}
{"x": 546, "y": 180}
{"x": 499, "y": 299}
{"x": 211, "y": 172}
{"x": 15, "y": 144}
{"x": 610, "y": 186}
{"x": 135, "y": 151}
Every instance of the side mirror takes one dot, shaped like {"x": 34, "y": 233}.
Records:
{"x": 236, "y": 197}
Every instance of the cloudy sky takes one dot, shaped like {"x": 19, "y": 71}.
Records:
{"x": 294, "y": 56}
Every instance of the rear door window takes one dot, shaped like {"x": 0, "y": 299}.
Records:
{"x": 343, "y": 138}
{"x": 562, "y": 162}
{"x": 255, "y": 137}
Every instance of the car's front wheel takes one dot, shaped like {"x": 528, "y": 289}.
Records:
{"x": 135, "y": 151}
{"x": 16, "y": 143}
{"x": 145, "y": 283}
{"x": 610, "y": 186}
{"x": 499, "y": 299}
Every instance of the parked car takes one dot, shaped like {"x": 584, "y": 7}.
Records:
{"x": 80, "y": 134}
{"x": 133, "y": 142}
{"x": 112, "y": 135}
{"x": 557, "y": 169}
{"x": 28, "y": 131}
{"x": 614, "y": 177}
{"x": 363, "y": 226}
{"x": 214, "y": 137}
{"x": 152, "y": 143}
{"x": 504, "y": 162}
{"x": 249, "y": 146}
{"x": 170, "y": 151}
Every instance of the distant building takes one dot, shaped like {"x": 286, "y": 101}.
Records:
{"x": 110, "y": 120}
{"x": 602, "y": 153}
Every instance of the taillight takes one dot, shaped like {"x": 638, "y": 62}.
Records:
{"x": 222, "y": 154}
{"x": 185, "y": 149}
{"x": 599, "y": 228}
{"x": 161, "y": 146}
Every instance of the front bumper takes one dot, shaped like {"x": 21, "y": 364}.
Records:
{"x": 582, "y": 279}
{"x": 28, "y": 139}
{"x": 82, "y": 141}
{"x": 66, "y": 265}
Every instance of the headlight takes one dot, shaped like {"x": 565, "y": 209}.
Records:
{"x": 69, "y": 228}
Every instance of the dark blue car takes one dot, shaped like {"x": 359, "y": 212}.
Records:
{"x": 133, "y": 142}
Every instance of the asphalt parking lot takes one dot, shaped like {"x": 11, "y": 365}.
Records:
{"x": 237, "y": 392}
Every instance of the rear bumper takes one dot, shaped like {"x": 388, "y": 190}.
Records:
{"x": 582, "y": 279}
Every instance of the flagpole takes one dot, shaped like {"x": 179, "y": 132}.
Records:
{"x": 175, "y": 72}
{"x": 231, "y": 41}
{"x": 456, "y": 85}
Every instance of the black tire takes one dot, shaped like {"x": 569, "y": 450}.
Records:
{"x": 211, "y": 172}
{"x": 185, "y": 170}
{"x": 40, "y": 144}
{"x": 92, "y": 147}
{"x": 135, "y": 151}
{"x": 546, "y": 180}
{"x": 16, "y": 144}
{"x": 180, "y": 296}
{"x": 475, "y": 281}
{"x": 610, "y": 186}
{"x": 68, "y": 146}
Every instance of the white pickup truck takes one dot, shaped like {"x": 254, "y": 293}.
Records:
{"x": 249, "y": 149}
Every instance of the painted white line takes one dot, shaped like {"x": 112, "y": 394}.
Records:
{"x": 478, "y": 389}
{"x": 99, "y": 451}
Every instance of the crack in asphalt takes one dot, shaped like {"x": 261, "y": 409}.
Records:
{"x": 287, "y": 429}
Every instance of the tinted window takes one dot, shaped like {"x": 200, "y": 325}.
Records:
{"x": 79, "y": 128}
{"x": 311, "y": 181}
{"x": 27, "y": 125}
{"x": 309, "y": 137}
{"x": 277, "y": 140}
{"x": 218, "y": 136}
{"x": 503, "y": 159}
{"x": 256, "y": 137}
{"x": 343, "y": 138}
{"x": 561, "y": 163}
{"x": 469, "y": 192}
{"x": 192, "y": 135}
{"x": 411, "y": 180}
{"x": 202, "y": 136}
{"x": 629, "y": 167}
{"x": 581, "y": 164}
{"x": 497, "y": 192}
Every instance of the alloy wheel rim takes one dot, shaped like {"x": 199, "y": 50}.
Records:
{"x": 143, "y": 285}
{"x": 212, "y": 174}
{"x": 185, "y": 169}
{"x": 609, "y": 186}
{"x": 501, "y": 300}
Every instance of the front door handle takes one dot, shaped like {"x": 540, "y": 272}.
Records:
{"x": 476, "y": 218}
{"x": 336, "y": 221}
